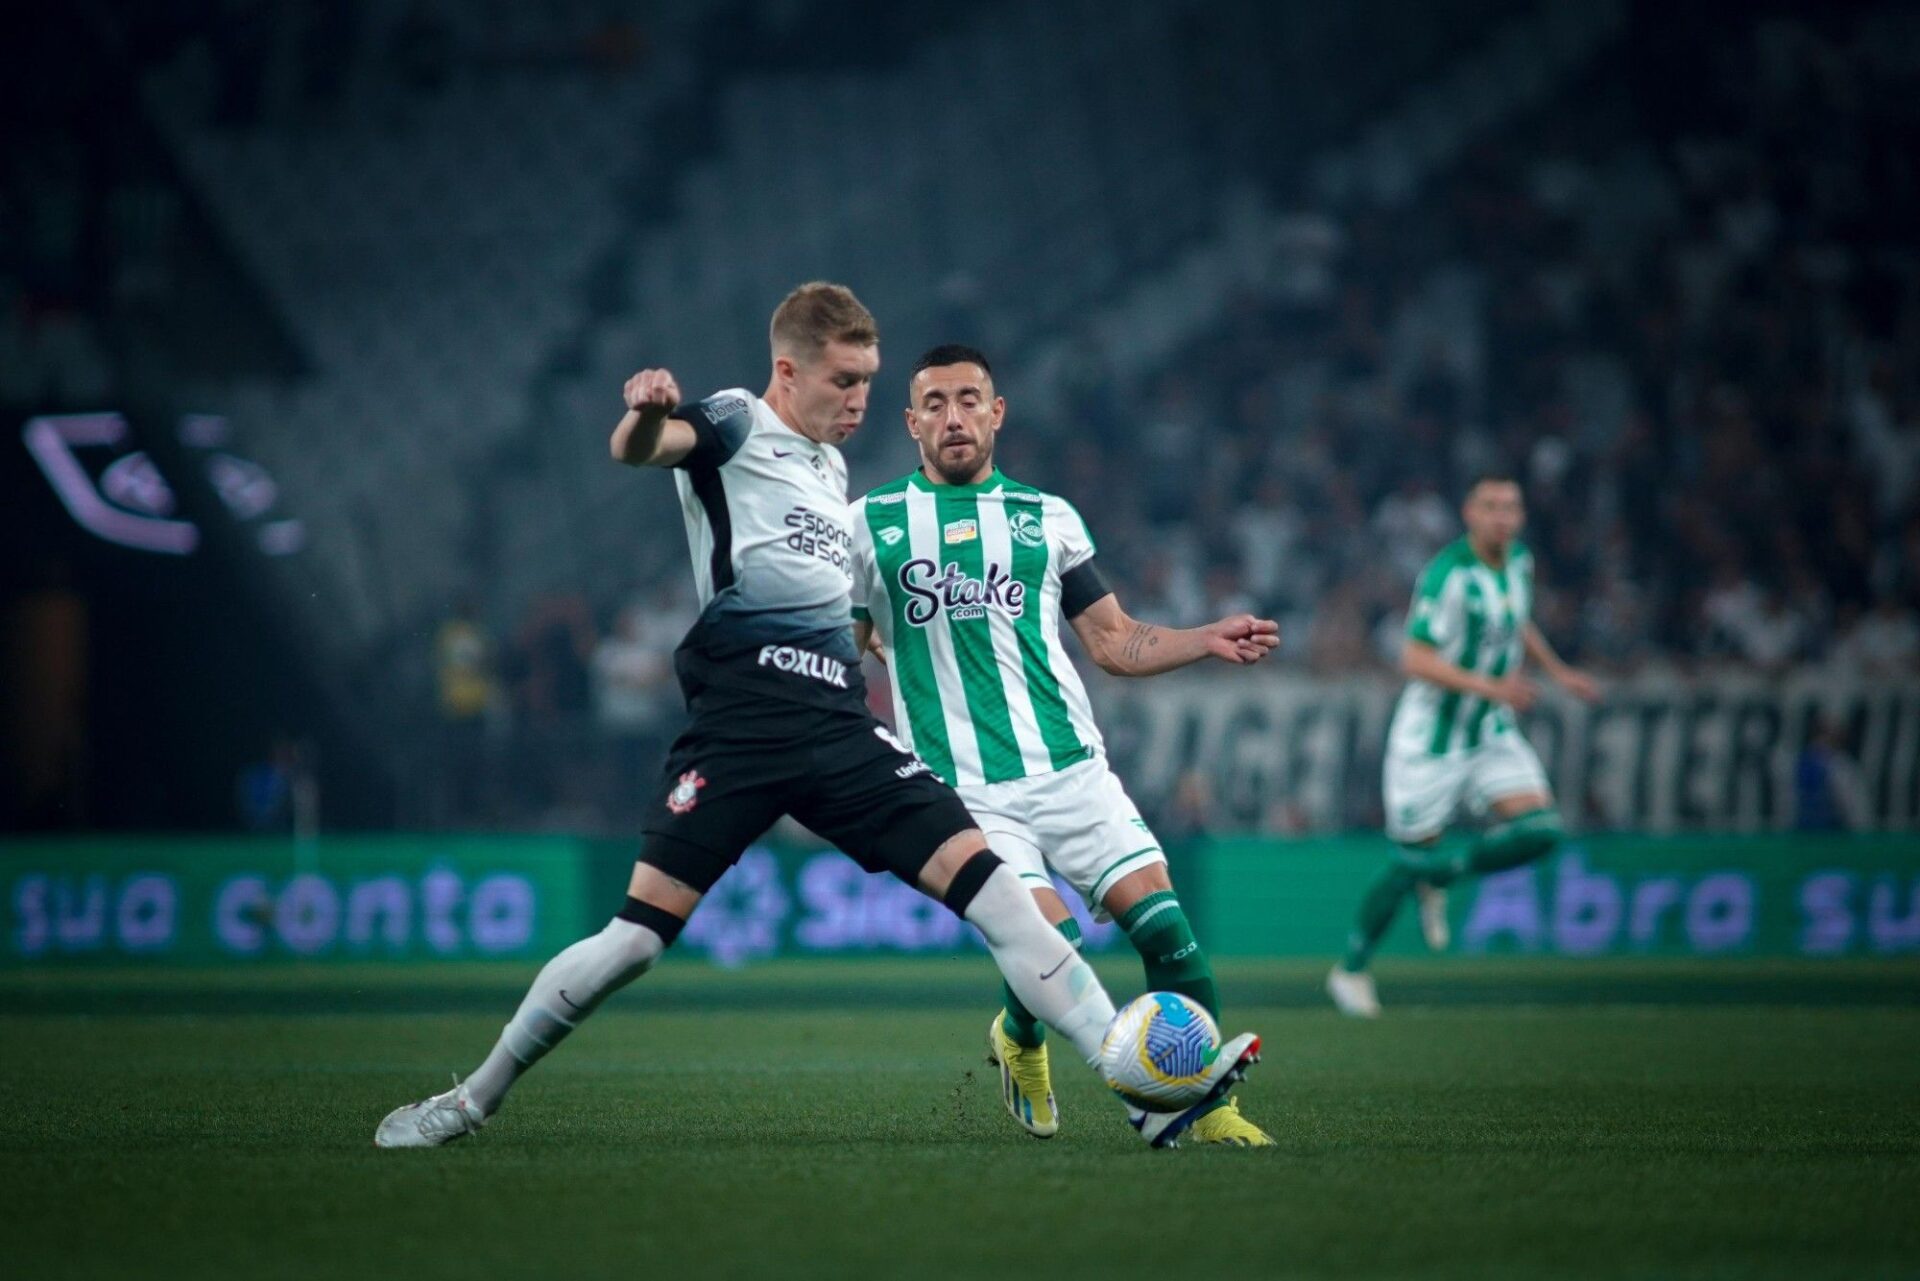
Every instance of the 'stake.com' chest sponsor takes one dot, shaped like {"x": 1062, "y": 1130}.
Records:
{"x": 931, "y": 590}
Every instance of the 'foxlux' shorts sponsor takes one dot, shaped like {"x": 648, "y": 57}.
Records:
{"x": 804, "y": 662}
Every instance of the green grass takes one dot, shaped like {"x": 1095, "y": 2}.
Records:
{"x": 1508, "y": 1119}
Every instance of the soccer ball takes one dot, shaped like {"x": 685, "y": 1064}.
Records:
{"x": 1157, "y": 1050}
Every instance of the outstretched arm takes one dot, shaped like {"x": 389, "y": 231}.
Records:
{"x": 1571, "y": 679}
{"x": 646, "y": 436}
{"x": 1125, "y": 646}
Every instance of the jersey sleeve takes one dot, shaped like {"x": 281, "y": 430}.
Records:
{"x": 1438, "y": 608}
{"x": 1072, "y": 540}
{"x": 721, "y": 424}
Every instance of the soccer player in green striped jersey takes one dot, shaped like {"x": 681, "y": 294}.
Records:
{"x": 1454, "y": 740}
{"x": 964, "y": 574}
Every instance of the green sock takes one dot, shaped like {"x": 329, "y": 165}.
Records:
{"x": 1158, "y": 929}
{"x": 1506, "y": 845}
{"x": 1516, "y": 841}
{"x": 1018, "y": 1022}
{"x": 1382, "y": 903}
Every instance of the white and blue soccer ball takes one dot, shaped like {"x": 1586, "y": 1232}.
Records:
{"x": 1157, "y": 1051}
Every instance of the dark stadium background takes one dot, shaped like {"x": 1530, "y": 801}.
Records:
{"x": 334, "y": 654}
{"x": 1266, "y": 284}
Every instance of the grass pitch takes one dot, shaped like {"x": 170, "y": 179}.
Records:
{"x": 1507, "y": 1119}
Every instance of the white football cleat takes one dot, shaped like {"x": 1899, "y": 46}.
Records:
{"x": 431, "y": 1122}
{"x": 1433, "y": 915}
{"x": 1353, "y": 993}
{"x": 1163, "y": 1129}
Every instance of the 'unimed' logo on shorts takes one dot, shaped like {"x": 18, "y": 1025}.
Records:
{"x": 804, "y": 662}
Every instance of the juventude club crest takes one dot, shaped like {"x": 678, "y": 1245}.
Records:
{"x": 1025, "y": 528}
{"x": 686, "y": 793}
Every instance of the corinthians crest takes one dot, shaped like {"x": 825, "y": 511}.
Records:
{"x": 686, "y": 793}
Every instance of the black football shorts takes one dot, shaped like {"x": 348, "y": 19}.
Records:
{"x": 841, "y": 773}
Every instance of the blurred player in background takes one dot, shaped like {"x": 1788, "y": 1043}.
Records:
{"x": 964, "y": 574}
{"x": 778, "y": 718}
{"x": 1453, "y": 739}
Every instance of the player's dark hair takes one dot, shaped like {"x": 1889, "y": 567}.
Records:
{"x": 1493, "y": 476}
{"x": 951, "y": 353}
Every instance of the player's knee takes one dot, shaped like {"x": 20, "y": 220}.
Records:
{"x": 1546, "y": 828}
{"x": 1055, "y": 909}
{"x": 641, "y": 932}
{"x": 1151, "y": 881}
{"x": 1535, "y": 833}
{"x": 967, "y": 883}
{"x": 1420, "y": 856}
{"x": 986, "y": 892}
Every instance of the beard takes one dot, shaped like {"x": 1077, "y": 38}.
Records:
{"x": 960, "y": 469}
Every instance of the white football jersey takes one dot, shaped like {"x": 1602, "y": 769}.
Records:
{"x": 1474, "y": 616}
{"x": 769, "y": 532}
{"x": 967, "y": 586}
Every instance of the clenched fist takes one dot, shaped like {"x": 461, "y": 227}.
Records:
{"x": 652, "y": 394}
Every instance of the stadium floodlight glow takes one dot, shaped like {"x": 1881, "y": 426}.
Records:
{"x": 132, "y": 505}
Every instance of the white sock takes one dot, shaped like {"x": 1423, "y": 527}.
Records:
{"x": 1043, "y": 969}
{"x": 564, "y": 993}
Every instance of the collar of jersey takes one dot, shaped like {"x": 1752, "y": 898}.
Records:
{"x": 1498, "y": 571}
{"x": 918, "y": 480}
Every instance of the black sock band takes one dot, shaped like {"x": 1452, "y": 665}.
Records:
{"x": 657, "y": 919}
{"x": 967, "y": 881}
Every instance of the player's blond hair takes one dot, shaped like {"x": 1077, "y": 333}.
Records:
{"x": 816, "y": 314}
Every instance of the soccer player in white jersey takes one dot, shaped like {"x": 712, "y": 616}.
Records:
{"x": 1453, "y": 740}
{"x": 779, "y": 723}
{"x": 965, "y": 574}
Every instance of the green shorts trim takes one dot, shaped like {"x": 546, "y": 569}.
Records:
{"x": 1120, "y": 867}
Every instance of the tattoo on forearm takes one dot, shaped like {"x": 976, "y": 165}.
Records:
{"x": 1145, "y": 636}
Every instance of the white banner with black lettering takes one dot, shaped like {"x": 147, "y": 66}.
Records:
{"x": 1666, "y": 752}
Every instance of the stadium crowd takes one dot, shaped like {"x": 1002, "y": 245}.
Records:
{"x": 1691, "y": 330}
{"x": 1696, "y": 347}
{"x": 1681, "y": 303}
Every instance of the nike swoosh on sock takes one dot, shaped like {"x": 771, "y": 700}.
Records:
{"x": 1056, "y": 969}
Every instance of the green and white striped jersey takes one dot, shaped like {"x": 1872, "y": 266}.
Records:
{"x": 962, "y": 583}
{"x": 1473, "y": 615}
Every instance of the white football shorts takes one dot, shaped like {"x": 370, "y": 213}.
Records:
{"x": 1079, "y": 821}
{"x": 1423, "y": 792}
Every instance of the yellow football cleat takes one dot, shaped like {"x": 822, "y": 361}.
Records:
{"x": 1026, "y": 1086}
{"x": 1226, "y": 1125}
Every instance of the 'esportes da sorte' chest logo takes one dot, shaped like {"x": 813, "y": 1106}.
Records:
{"x": 962, "y": 596}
